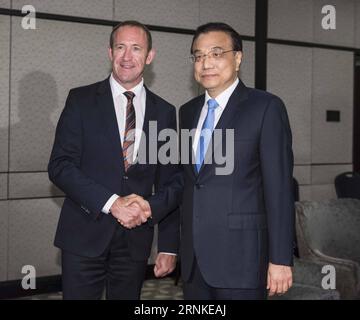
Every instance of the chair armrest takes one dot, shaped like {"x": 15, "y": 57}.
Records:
{"x": 308, "y": 272}
{"x": 347, "y": 277}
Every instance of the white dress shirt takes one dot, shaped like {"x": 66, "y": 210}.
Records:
{"x": 222, "y": 99}
{"x": 120, "y": 103}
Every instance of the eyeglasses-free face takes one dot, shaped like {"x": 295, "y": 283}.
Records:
{"x": 215, "y": 65}
{"x": 129, "y": 55}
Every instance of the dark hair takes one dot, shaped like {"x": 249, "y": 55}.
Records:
{"x": 132, "y": 23}
{"x": 219, "y": 26}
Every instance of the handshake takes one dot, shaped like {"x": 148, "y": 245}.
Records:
{"x": 131, "y": 211}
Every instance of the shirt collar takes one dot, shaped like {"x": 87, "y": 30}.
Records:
{"x": 223, "y": 98}
{"x": 118, "y": 89}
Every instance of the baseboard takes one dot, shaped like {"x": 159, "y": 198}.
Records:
{"x": 13, "y": 289}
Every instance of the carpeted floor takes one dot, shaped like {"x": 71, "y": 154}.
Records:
{"x": 154, "y": 289}
{"x": 165, "y": 289}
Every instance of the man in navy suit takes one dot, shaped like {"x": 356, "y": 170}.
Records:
{"x": 237, "y": 229}
{"x": 105, "y": 240}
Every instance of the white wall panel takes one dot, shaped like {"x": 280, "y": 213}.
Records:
{"x": 343, "y": 35}
{"x": 5, "y": 3}
{"x": 32, "y": 226}
{"x": 181, "y": 14}
{"x": 317, "y": 192}
{"x": 357, "y": 24}
{"x": 100, "y": 9}
{"x": 302, "y": 174}
{"x": 240, "y": 14}
{"x": 247, "y": 68}
{"x": 3, "y": 185}
{"x": 305, "y": 193}
{"x": 332, "y": 89}
{"x": 3, "y": 239}
{"x": 323, "y": 192}
{"x": 4, "y": 90}
{"x": 31, "y": 185}
{"x": 290, "y": 79}
{"x": 170, "y": 74}
{"x": 325, "y": 174}
{"x": 46, "y": 63}
{"x": 291, "y": 20}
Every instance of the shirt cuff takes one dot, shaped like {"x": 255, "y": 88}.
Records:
{"x": 169, "y": 253}
{"x": 109, "y": 203}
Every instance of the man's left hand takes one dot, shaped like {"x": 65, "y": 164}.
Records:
{"x": 279, "y": 279}
{"x": 164, "y": 264}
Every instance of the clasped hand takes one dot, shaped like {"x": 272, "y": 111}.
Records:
{"x": 131, "y": 211}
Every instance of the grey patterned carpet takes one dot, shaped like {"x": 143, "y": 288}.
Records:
{"x": 165, "y": 289}
{"x": 154, "y": 289}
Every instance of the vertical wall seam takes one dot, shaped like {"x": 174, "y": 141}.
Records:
{"x": 8, "y": 164}
{"x": 312, "y": 99}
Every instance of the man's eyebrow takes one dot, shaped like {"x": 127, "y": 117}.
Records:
{"x": 131, "y": 45}
{"x": 212, "y": 48}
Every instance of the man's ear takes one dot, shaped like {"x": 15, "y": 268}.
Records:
{"x": 238, "y": 59}
{"x": 110, "y": 53}
{"x": 150, "y": 57}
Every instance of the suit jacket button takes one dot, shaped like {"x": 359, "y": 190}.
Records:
{"x": 125, "y": 177}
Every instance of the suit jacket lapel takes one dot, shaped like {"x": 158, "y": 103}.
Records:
{"x": 228, "y": 116}
{"x": 150, "y": 115}
{"x": 150, "y": 111}
{"x": 107, "y": 112}
{"x": 239, "y": 94}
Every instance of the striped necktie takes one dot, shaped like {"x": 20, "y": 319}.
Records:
{"x": 129, "y": 136}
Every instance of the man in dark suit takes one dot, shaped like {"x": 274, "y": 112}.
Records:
{"x": 105, "y": 240}
{"x": 237, "y": 229}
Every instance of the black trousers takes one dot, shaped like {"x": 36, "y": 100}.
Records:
{"x": 85, "y": 278}
{"x": 197, "y": 289}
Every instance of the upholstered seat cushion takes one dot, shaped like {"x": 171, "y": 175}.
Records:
{"x": 332, "y": 227}
{"x": 328, "y": 233}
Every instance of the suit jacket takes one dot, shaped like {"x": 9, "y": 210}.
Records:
{"x": 235, "y": 224}
{"x": 87, "y": 164}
